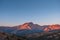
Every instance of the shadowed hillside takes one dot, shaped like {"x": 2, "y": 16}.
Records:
{"x": 35, "y": 36}
{"x": 6, "y": 36}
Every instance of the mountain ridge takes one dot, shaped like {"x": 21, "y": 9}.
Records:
{"x": 32, "y": 26}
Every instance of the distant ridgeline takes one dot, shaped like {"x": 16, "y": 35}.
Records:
{"x": 29, "y": 28}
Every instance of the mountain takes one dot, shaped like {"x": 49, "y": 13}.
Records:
{"x": 31, "y": 26}
{"x": 52, "y": 27}
{"x": 24, "y": 26}
{"x": 28, "y": 28}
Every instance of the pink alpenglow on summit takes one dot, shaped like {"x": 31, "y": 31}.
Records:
{"x": 52, "y": 27}
{"x": 24, "y": 26}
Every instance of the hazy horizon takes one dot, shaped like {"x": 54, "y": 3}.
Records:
{"x": 42, "y": 12}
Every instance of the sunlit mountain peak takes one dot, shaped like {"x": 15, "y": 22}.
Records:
{"x": 52, "y": 27}
{"x": 25, "y": 26}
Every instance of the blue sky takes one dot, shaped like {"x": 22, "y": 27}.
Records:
{"x": 15, "y": 12}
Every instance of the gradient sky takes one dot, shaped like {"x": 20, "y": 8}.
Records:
{"x": 15, "y": 12}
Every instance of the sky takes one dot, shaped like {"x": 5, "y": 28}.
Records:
{"x": 16, "y": 12}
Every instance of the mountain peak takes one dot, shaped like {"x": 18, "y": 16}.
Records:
{"x": 25, "y": 26}
{"x": 52, "y": 27}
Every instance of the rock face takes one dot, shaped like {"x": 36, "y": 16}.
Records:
{"x": 30, "y": 26}
{"x": 52, "y": 27}
{"x": 25, "y": 26}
